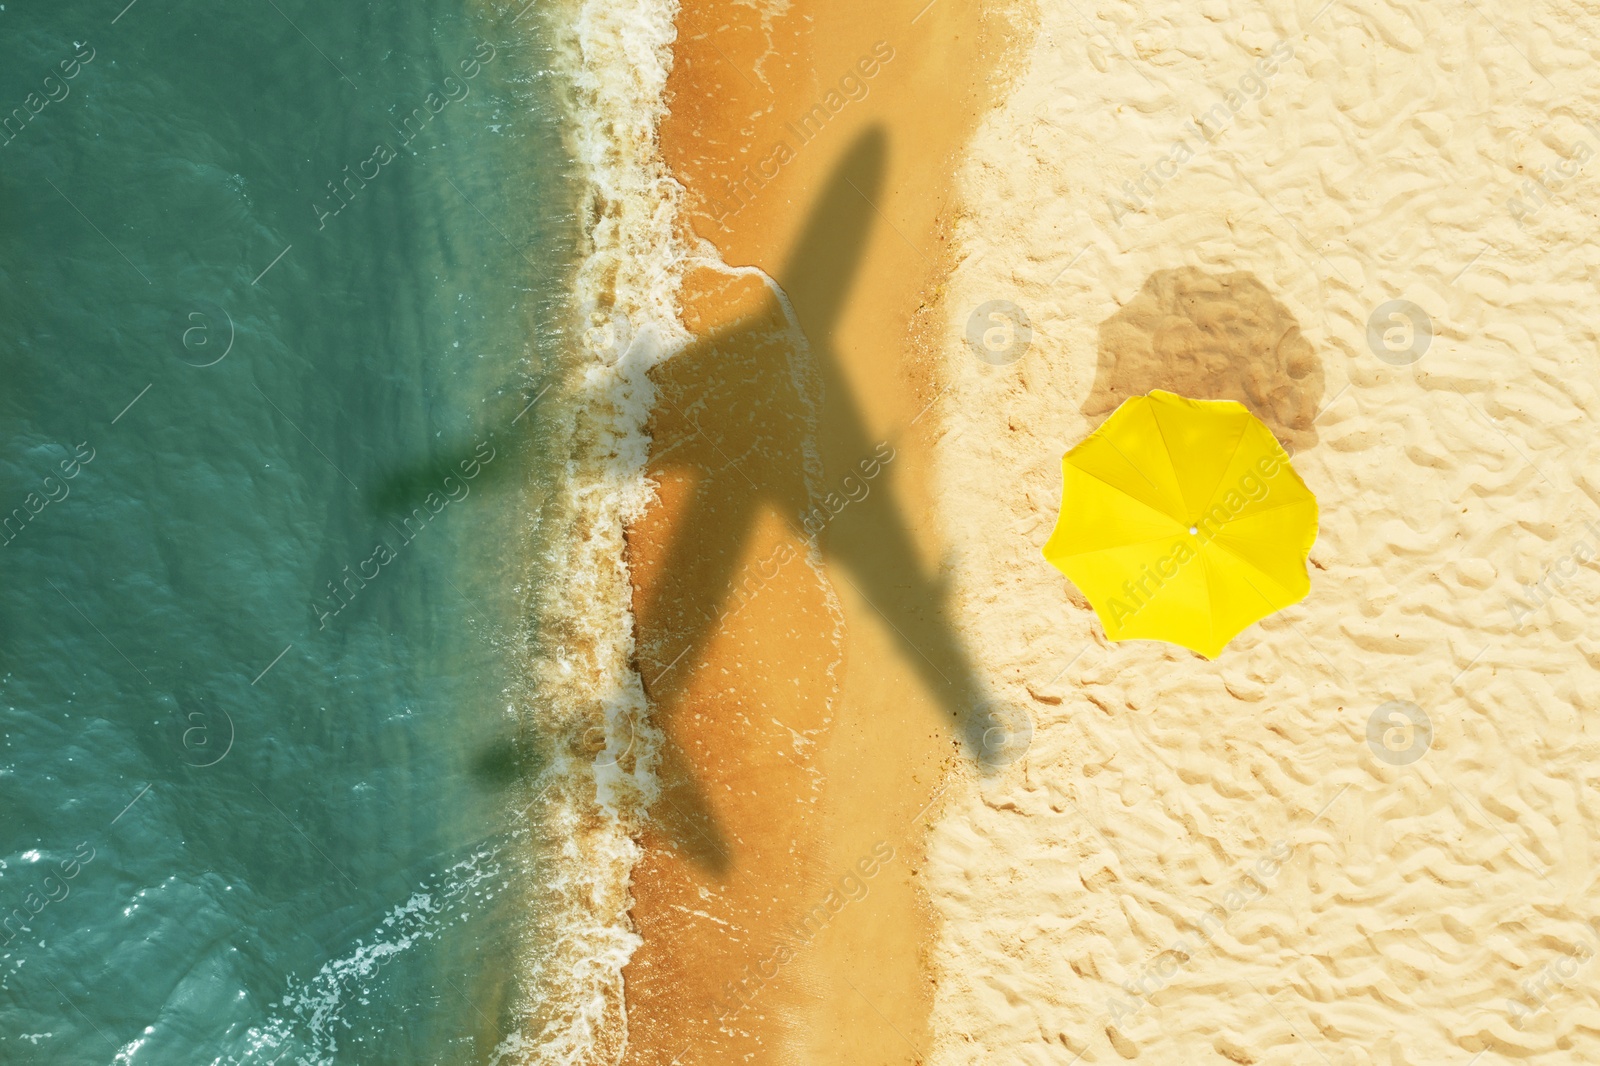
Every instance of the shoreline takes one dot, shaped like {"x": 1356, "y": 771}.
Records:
{"x": 581, "y": 708}
{"x": 753, "y": 851}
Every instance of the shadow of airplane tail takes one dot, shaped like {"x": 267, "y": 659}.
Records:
{"x": 874, "y": 540}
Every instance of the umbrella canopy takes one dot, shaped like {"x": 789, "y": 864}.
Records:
{"x": 1182, "y": 520}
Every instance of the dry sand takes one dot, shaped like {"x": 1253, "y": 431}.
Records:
{"x": 1207, "y": 862}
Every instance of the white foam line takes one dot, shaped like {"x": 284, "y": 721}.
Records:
{"x": 616, "y": 55}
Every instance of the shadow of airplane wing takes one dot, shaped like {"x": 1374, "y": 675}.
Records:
{"x": 873, "y": 539}
{"x": 731, "y": 431}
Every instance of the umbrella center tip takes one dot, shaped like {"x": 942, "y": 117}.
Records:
{"x": 1194, "y": 531}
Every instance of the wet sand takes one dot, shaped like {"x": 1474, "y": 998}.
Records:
{"x": 790, "y": 618}
{"x": 1369, "y": 226}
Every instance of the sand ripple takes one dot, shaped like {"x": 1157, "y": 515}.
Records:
{"x": 1204, "y": 862}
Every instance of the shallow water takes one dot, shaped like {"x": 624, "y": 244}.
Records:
{"x": 266, "y": 462}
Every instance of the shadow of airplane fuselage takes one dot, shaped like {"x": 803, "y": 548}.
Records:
{"x": 753, "y": 406}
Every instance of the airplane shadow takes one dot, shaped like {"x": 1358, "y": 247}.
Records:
{"x": 757, "y": 428}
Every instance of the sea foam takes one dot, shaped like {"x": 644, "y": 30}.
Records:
{"x": 590, "y": 799}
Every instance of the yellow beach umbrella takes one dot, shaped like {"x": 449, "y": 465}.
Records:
{"x": 1182, "y": 520}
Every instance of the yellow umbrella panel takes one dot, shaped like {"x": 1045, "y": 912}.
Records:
{"x": 1182, "y": 520}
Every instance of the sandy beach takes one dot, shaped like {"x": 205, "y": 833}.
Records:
{"x": 914, "y": 806}
{"x": 1371, "y": 226}
{"x": 789, "y": 566}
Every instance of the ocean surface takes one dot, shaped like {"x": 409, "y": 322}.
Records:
{"x": 280, "y": 286}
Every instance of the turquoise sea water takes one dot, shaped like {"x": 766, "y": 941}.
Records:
{"x": 275, "y": 283}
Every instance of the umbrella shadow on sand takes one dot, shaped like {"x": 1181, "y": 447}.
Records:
{"x": 746, "y": 417}
{"x": 1211, "y": 337}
